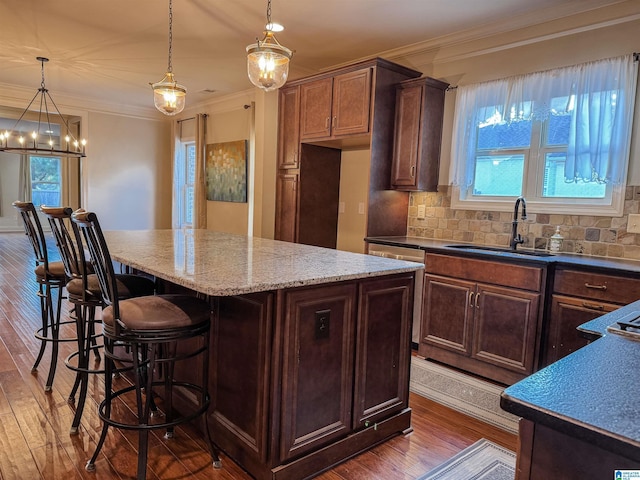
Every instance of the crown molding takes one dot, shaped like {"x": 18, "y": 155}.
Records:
{"x": 18, "y": 97}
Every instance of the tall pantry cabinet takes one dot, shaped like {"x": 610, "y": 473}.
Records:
{"x": 319, "y": 116}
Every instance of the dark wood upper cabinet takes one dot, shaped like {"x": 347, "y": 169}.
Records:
{"x": 418, "y": 134}
{"x": 351, "y": 108}
{"x": 336, "y": 106}
{"x": 289, "y": 127}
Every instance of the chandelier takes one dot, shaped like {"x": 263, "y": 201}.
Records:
{"x": 267, "y": 60}
{"x": 169, "y": 96}
{"x": 43, "y": 137}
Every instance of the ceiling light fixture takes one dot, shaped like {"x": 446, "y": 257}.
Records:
{"x": 267, "y": 60}
{"x": 169, "y": 96}
{"x": 41, "y": 138}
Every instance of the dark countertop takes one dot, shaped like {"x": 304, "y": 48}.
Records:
{"x": 619, "y": 265}
{"x": 591, "y": 394}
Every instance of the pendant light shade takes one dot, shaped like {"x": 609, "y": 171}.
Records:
{"x": 168, "y": 95}
{"x": 267, "y": 60}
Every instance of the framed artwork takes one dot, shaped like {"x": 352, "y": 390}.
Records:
{"x": 226, "y": 171}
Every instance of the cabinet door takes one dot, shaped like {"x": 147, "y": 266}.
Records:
{"x": 447, "y": 319}
{"x": 317, "y": 369}
{"x": 567, "y": 313}
{"x": 407, "y": 134}
{"x": 289, "y": 127}
{"x": 383, "y": 348}
{"x": 505, "y": 327}
{"x": 286, "y": 207}
{"x": 315, "y": 109}
{"x": 351, "y": 103}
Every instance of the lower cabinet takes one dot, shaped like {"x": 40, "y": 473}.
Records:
{"x": 567, "y": 314}
{"x": 478, "y": 321}
{"x": 304, "y": 378}
{"x": 578, "y": 297}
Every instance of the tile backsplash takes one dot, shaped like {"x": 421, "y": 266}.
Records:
{"x": 583, "y": 234}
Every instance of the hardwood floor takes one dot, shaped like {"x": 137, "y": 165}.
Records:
{"x": 34, "y": 425}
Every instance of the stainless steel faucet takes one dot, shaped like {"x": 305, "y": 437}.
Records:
{"x": 516, "y": 238}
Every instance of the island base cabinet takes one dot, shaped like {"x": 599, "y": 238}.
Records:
{"x": 545, "y": 453}
{"x": 304, "y": 378}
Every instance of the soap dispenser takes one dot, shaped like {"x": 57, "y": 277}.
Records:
{"x": 555, "y": 242}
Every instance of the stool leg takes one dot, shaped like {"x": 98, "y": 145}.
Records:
{"x": 144, "y": 377}
{"x": 82, "y": 375}
{"x": 44, "y": 313}
{"x": 213, "y": 450}
{"x": 54, "y": 317}
{"x": 105, "y": 407}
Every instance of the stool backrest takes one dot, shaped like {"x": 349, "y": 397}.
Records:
{"x": 89, "y": 228}
{"x": 33, "y": 230}
{"x": 59, "y": 217}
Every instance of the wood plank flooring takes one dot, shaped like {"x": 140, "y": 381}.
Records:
{"x": 34, "y": 425}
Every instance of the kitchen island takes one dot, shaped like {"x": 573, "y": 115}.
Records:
{"x": 580, "y": 415}
{"x": 310, "y": 346}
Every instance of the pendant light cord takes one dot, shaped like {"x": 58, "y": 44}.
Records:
{"x": 170, "y": 68}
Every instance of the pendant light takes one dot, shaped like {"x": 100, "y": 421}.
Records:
{"x": 168, "y": 95}
{"x": 267, "y": 60}
{"x": 42, "y": 138}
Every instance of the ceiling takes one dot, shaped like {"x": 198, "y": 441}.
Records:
{"x": 109, "y": 51}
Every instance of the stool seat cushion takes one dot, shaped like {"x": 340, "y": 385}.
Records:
{"x": 159, "y": 312}
{"x": 128, "y": 286}
{"x": 56, "y": 270}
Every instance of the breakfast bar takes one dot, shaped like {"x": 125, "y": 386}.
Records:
{"x": 310, "y": 346}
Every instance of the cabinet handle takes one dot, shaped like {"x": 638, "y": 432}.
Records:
{"x": 593, "y": 307}
{"x": 471, "y": 294}
{"x": 413, "y": 171}
{"x": 326, "y": 123}
{"x": 476, "y": 301}
{"x": 333, "y": 122}
{"x": 596, "y": 287}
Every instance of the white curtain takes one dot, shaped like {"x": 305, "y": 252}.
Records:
{"x": 601, "y": 97}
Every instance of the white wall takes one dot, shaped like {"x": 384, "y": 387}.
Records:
{"x": 9, "y": 174}
{"x": 127, "y": 172}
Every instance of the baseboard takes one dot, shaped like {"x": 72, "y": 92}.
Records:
{"x": 464, "y": 393}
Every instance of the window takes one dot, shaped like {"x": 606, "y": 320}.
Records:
{"x": 46, "y": 180}
{"x": 185, "y": 182}
{"x": 560, "y": 138}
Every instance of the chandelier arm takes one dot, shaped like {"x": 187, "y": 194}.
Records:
{"x": 64, "y": 120}
{"x": 24, "y": 112}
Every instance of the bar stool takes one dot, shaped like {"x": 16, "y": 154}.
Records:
{"x": 162, "y": 331}
{"x": 51, "y": 279}
{"x": 83, "y": 292}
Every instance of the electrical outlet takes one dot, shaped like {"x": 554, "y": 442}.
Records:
{"x": 422, "y": 211}
{"x": 322, "y": 324}
{"x": 633, "y": 224}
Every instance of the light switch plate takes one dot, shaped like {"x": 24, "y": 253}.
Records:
{"x": 633, "y": 224}
{"x": 421, "y": 211}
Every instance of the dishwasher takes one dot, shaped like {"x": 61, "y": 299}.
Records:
{"x": 410, "y": 255}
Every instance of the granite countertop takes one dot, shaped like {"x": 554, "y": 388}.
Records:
{"x": 591, "y": 394}
{"x": 223, "y": 264}
{"x": 559, "y": 259}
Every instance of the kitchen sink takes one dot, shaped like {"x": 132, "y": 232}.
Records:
{"x": 533, "y": 253}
